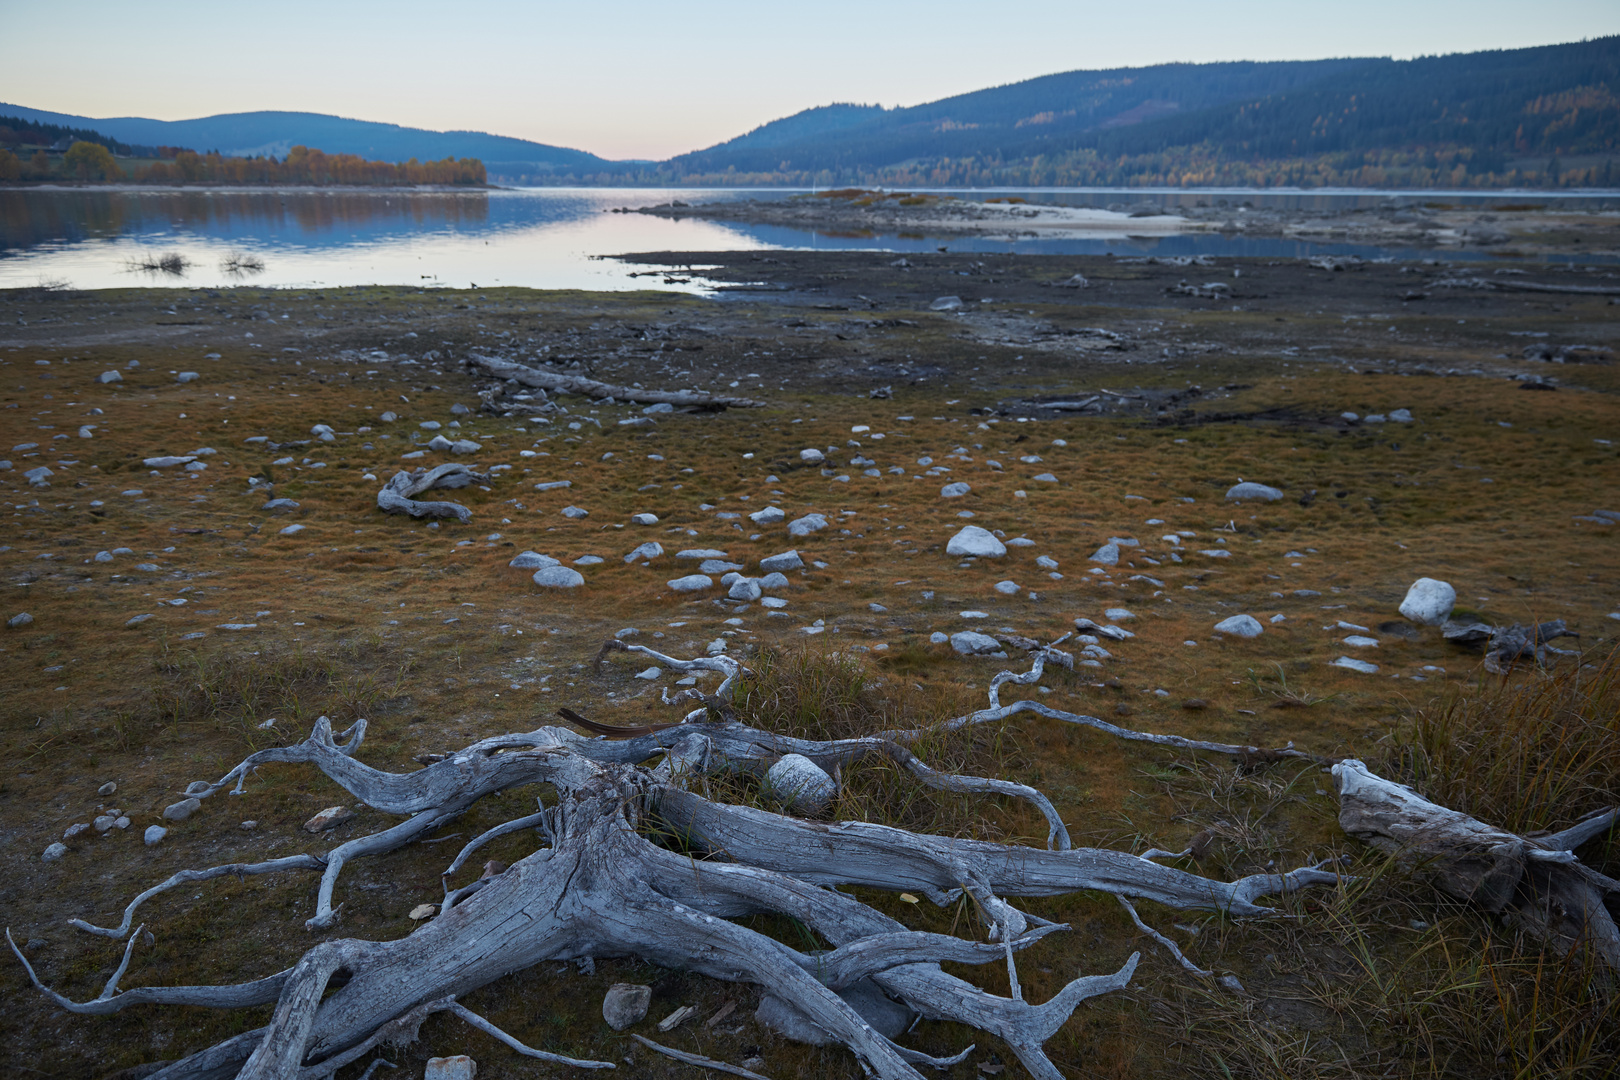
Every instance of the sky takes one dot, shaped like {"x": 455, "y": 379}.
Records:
{"x": 654, "y": 78}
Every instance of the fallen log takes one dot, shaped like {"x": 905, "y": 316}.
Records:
{"x": 558, "y": 383}
{"x": 1509, "y": 285}
{"x": 398, "y": 495}
{"x": 1534, "y": 882}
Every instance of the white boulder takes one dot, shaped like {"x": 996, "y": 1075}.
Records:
{"x": 1429, "y": 601}
{"x": 1250, "y": 490}
{"x": 1240, "y": 626}
{"x": 975, "y": 541}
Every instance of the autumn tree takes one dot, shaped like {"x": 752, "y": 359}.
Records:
{"x": 91, "y": 161}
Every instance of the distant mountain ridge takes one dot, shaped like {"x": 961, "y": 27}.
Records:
{"x": 259, "y": 133}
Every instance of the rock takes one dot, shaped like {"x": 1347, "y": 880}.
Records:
{"x": 1007, "y": 588}
{"x": 1361, "y": 641}
{"x": 768, "y": 516}
{"x": 279, "y": 506}
{"x": 720, "y": 566}
{"x": 954, "y": 491}
{"x": 1400, "y": 416}
{"x": 458, "y": 409}
{"x": 465, "y": 446}
{"x": 104, "y": 556}
{"x": 155, "y": 834}
{"x": 1429, "y": 602}
{"x": 946, "y": 303}
{"x": 292, "y": 530}
{"x": 811, "y": 456}
{"x": 330, "y": 818}
{"x": 122, "y": 821}
{"x": 625, "y": 1004}
{"x": 938, "y": 638}
{"x": 54, "y": 852}
{"x": 650, "y": 673}
{"x": 1118, "y": 614}
{"x": 559, "y": 577}
{"x": 886, "y": 1016}
{"x": 20, "y": 620}
{"x": 658, "y": 407}
{"x": 806, "y": 525}
{"x": 774, "y": 580}
{"x": 167, "y": 462}
{"x": 589, "y": 560}
{"x": 691, "y": 583}
{"x": 554, "y": 485}
{"x": 1045, "y": 478}
{"x": 644, "y": 552}
{"x": 746, "y": 589}
{"x": 1355, "y": 665}
{"x": 532, "y": 560}
{"x": 103, "y": 822}
{"x": 439, "y": 443}
{"x": 788, "y": 560}
{"x": 574, "y": 513}
{"x": 74, "y": 830}
{"x": 1240, "y": 626}
{"x": 181, "y": 810}
{"x": 972, "y": 540}
{"x": 1249, "y": 490}
{"x": 973, "y": 643}
{"x": 423, "y": 911}
{"x": 109, "y": 377}
{"x": 39, "y": 476}
{"x": 108, "y": 788}
{"x": 1108, "y": 555}
{"x": 800, "y": 784}
{"x": 644, "y": 519}
{"x": 459, "y": 1067}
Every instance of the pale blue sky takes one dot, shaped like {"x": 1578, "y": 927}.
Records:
{"x": 641, "y": 78}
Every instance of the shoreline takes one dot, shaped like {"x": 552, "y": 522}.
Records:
{"x": 298, "y": 189}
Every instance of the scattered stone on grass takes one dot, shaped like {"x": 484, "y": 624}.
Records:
{"x": 559, "y": 577}
{"x": 625, "y": 1004}
{"x": 1245, "y": 626}
{"x": 1429, "y": 602}
{"x": 1249, "y": 490}
{"x": 974, "y": 541}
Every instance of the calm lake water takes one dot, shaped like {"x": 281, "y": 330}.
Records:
{"x": 542, "y": 237}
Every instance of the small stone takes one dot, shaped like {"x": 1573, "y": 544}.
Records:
{"x": 1045, "y": 478}
{"x": 292, "y": 530}
{"x": 768, "y": 516}
{"x": 954, "y": 491}
{"x": 938, "y": 637}
{"x": 1249, "y": 490}
{"x": 800, "y": 784}
{"x": 589, "y": 560}
{"x": 74, "y": 830}
{"x": 248, "y": 826}
{"x": 1400, "y": 416}
{"x": 625, "y": 1004}
{"x": 167, "y": 462}
{"x": 154, "y": 834}
{"x": 532, "y": 560}
{"x": 650, "y": 673}
{"x": 691, "y": 583}
{"x": 972, "y": 540}
{"x": 1429, "y": 602}
{"x": 1355, "y": 665}
{"x": 1244, "y": 626}
{"x": 1007, "y": 588}
{"x": 973, "y": 643}
{"x": 574, "y": 513}
{"x": 458, "y": 409}
{"x": 644, "y": 519}
{"x": 103, "y": 822}
{"x": 459, "y": 1067}
{"x": 745, "y": 589}
{"x": 554, "y": 485}
{"x": 330, "y": 818}
{"x": 806, "y": 525}
{"x": 109, "y": 377}
{"x": 181, "y": 810}
{"x": 774, "y": 580}
{"x": 104, "y": 556}
{"x": 280, "y": 506}
{"x": 652, "y": 549}
{"x": 1046, "y": 562}
{"x": 439, "y": 443}
{"x": 811, "y": 456}
{"x": 20, "y": 620}
{"x": 559, "y": 577}
{"x": 1108, "y": 555}
{"x": 138, "y": 619}
{"x": 424, "y": 911}
{"x": 876, "y": 609}
{"x": 946, "y": 303}
{"x": 1361, "y": 641}
{"x": 1118, "y": 613}
{"x": 787, "y": 560}
{"x": 54, "y": 852}
{"x": 186, "y": 376}
{"x": 108, "y": 788}
{"x": 658, "y": 407}
{"x": 121, "y": 821}
{"x": 701, "y": 553}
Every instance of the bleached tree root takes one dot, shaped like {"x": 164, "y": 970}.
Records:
{"x": 606, "y": 882}
{"x": 559, "y": 383}
{"x": 398, "y": 496}
{"x": 1535, "y": 883}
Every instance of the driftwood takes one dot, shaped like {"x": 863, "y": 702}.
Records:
{"x": 603, "y": 882}
{"x": 1507, "y": 645}
{"x": 1534, "y": 882}
{"x": 398, "y": 495}
{"x": 558, "y": 383}
{"x": 1510, "y": 285}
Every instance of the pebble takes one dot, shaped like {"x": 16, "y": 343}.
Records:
{"x": 745, "y": 589}
{"x": 1360, "y": 641}
{"x": 691, "y": 583}
{"x": 1355, "y": 665}
{"x": 972, "y": 540}
{"x": 574, "y": 513}
{"x": 104, "y": 556}
{"x": 811, "y": 456}
{"x": 800, "y": 784}
{"x": 1118, "y": 613}
{"x": 54, "y": 852}
{"x": 589, "y": 560}
{"x": 1007, "y": 588}
{"x": 806, "y": 525}
{"x": 1401, "y": 416}
{"x": 181, "y": 810}
{"x": 109, "y": 377}
{"x": 554, "y": 485}
{"x": 1046, "y": 562}
{"x": 559, "y": 577}
{"x": 1429, "y": 601}
{"x": 954, "y": 491}
{"x": 1250, "y": 490}
{"x": 773, "y": 602}
{"x": 154, "y": 834}
{"x": 658, "y": 407}
{"x": 774, "y": 580}
{"x": 167, "y": 462}
{"x": 107, "y": 789}
{"x": 20, "y": 620}
{"x": 652, "y": 549}
{"x": 74, "y": 830}
{"x": 292, "y": 530}
{"x": 1216, "y": 553}
{"x": 457, "y": 1067}
{"x": 330, "y": 818}
{"x": 946, "y": 303}
{"x": 532, "y": 560}
{"x": 625, "y": 1004}
{"x": 644, "y": 519}
{"x": 650, "y": 673}
{"x": 103, "y": 822}
{"x": 768, "y": 516}
{"x": 702, "y": 553}
{"x": 1108, "y": 554}
{"x": 423, "y": 911}
{"x": 1045, "y": 478}
{"x": 788, "y": 560}
{"x": 717, "y": 566}
{"x": 465, "y": 446}
{"x": 1244, "y": 626}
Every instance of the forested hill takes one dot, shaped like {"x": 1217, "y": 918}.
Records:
{"x": 275, "y": 133}
{"x": 1541, "y": 115}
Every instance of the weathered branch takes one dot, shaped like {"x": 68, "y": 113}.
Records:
{"x": 556, "y": 383}
{"x": 398, "y": 495}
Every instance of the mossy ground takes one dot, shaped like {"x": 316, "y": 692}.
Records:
{"x": 427, "y": 633}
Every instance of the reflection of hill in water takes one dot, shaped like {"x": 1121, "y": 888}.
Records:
{"x": 32, "y": 217}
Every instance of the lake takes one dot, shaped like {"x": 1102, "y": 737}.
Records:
{"x": 551, "y": 238}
